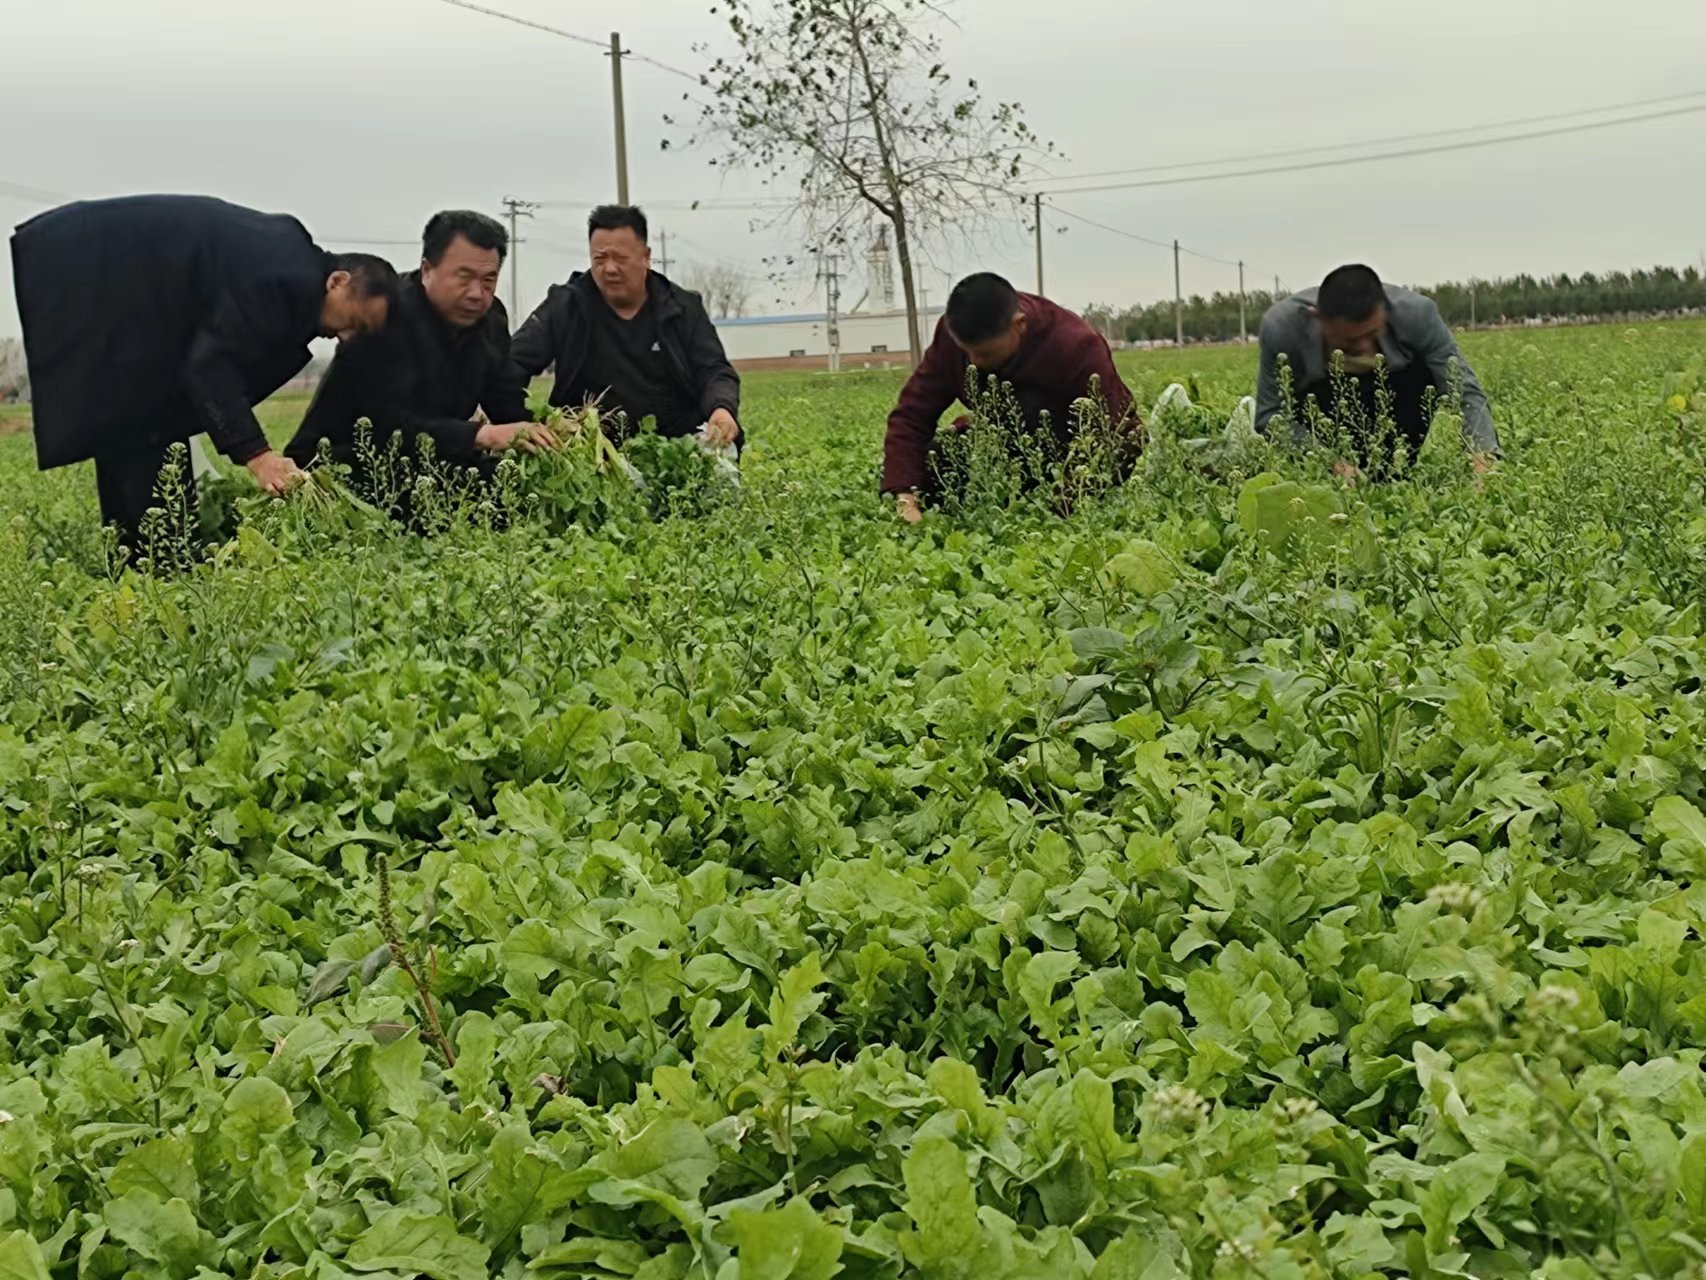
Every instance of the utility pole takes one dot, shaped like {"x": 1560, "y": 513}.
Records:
{"x": 1178, "y": 299}
{"x": 831, "y": 273}
{"x": 1037, "y": 208}
{"x": 926, "y": 333}
{"x": 1276, "y": 289}
{"x": 1471, "y": 304}
{"x": 515, "y": 209}
{"x": 621, "y": 118}
{"x": 663, "y": 253}
{"x": 1243, "y": 324}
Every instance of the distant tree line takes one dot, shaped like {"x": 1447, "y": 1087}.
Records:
{"x": 1519, "y": 299}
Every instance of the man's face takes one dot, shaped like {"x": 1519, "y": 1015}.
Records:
{"x": 346, "y": 315}
{"x": 993, "y": 354}
{"x": 1359, "y": 340}
{"x": 620, "y": 263}
{"x": 462, "y": 283}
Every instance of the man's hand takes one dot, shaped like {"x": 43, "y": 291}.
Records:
{"x": 274, "y": 472}
{"x": 721, "y": 429}
{"x": 529, "y": 436}
{"x": 1347, "y": 471}
{"x": 907, "y": 508}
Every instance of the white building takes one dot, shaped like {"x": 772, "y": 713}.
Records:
{"x": 868, "y": 339}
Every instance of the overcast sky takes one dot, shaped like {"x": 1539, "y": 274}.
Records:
{"x": 363, "y": 116}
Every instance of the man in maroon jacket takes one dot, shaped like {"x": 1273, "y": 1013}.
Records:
{"x": 1046, "y": 353}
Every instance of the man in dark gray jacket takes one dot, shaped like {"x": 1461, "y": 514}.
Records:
{"x": 625, "y": 336}
{"x": 1355, "y": 321}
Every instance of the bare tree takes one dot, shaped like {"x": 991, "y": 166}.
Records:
{"x": 14, "y": 372}
{"x": 726, "y": 291}
{"x": 847, "y": 102}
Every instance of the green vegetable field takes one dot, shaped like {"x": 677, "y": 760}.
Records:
{"x": 1238, "y": 878}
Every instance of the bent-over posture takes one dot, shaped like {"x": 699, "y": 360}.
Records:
{"x": 149, "y": 319}
{"x": 1364, "y": 323}
{"x": 1045, "y": 353}
{"x": 444, "y": 359}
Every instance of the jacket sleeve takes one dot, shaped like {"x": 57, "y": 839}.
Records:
{"x": 934, "y": 385}
{"x": 535, "y": 345}
{"x": 331, "y": 413}
{"x": 504, "y": 397}
{"x": 715, "y": 377}
{"x": 1270, "y": 399}
{"x": 366, "y": 380}
{"x": 1435, "y": 344}
{"x": 250, "y": 324}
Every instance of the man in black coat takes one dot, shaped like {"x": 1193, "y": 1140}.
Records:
{"x": 623, "y": 335}
{"x": 149, "y": 319}
{"x": 444, "y": 357}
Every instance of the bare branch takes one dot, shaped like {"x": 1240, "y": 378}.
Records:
{"x": 849, "y": 103}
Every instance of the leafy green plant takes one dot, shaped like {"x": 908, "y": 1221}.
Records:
{"x": 1170, "y": 889}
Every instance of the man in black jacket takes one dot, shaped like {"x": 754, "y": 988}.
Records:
{"x": 446, "y": 357}
{"x": 149, "y": 319}
{"x": 623, "y": 335}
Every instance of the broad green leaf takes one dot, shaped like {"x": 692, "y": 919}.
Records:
{"x": 790, "y": 1243}
{"x": 398, "y": 1067}
{"x": 1684, "y": 830}
{"x": 408, "y": 1241}
{"x": 165, "y": 1232}
{"x": 255, "y": 1109}
{"x": 1143, "y": 567}
{"x": 594, "y": 1256}
{"x": 943, "y": 1207}
{"x": 670, "y": 1155}
{"x": 1137, "y": 1256}
{"x": 329, "y": 979}
{"x": 20, "y": 1257}
{"x": 1455, "y": 1192}
{"x": 1693, "y": 1183}
{"x": 163, "y": 1167}
{"x": 522, "y": 1187}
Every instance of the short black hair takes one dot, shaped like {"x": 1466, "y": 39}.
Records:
{"x": 613, "y": 217}
{"x": 477, "y": 229}
{"x": 1351, "y": 293}
{"x": 981, "y": 307}
{"x": 370, "y": 276}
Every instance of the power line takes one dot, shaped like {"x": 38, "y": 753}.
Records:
{"x": 1102, "y": 226}
{"x": 1385, "y": 155}
{"x": 1170, "y": 245}
{"x": 602, "y": 46}
{"x": 528, "y": 22}
{"x": 32, "y": 193}
{"x": 1385, "y": 141}
{"x": 753, "y": 205}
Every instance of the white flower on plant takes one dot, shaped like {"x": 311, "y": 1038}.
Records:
{"x": 1555, "y": 999}
{"x": 6, "y": 1117}
{"x": 129, "y": 944}
{"x": 1455, "y": 897}
{"x": 1178, "y": 1106}
{"x": 91, "y": 871}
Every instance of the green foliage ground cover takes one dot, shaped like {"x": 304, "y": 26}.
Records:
{"x": 1177, "y": 890}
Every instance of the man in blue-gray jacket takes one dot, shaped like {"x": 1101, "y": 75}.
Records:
{"x": 1355, "y": 322}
